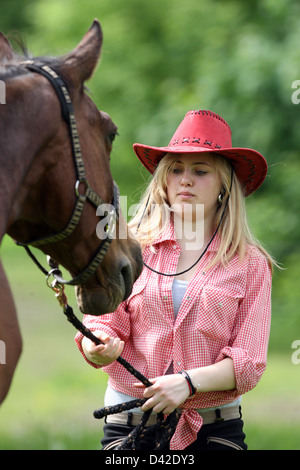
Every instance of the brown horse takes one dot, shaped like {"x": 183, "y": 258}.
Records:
{"x": 40, "y": 186}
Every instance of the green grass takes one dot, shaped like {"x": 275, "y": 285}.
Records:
{"x": 271, "y": 411}
{"x": 54, "y": 392}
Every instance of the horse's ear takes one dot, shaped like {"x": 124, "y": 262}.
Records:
{"x": 6, "y": 51}
{"x": 80, "y": 63}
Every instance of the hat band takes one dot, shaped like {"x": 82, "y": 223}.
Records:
{"x": 194, "y": 141}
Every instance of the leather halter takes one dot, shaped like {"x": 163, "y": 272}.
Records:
{"x": 81, "y": 182}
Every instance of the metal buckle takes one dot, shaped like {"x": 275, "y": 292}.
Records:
{"x": 58, "y": 289}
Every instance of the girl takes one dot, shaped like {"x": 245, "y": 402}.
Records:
{"x": 197, "y": 322}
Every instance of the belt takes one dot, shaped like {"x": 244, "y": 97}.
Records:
{"x": 208, "y": 416}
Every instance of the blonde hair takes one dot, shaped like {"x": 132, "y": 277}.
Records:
{"x": 153, "y": 213}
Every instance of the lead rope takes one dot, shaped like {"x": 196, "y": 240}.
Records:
{"x": 164, "y": 428}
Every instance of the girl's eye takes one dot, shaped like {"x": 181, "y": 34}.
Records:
{"x": 176, "y": 171}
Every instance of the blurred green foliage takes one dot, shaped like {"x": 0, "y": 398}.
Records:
{"x": 163, "y": 58}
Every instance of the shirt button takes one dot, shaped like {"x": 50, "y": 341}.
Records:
{"x": 165, "y": 297}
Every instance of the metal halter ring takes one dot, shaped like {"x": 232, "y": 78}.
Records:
{"x": 51, "y": 273}
{"x": 77, "y": 184}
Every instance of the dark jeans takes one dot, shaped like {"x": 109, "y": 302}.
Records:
{"x": 225, "y": 435}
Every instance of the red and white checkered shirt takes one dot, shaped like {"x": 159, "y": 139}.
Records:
{"x": 225, "y": 312}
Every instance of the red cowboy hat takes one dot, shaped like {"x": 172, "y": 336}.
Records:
{"x": 204, "y": 131}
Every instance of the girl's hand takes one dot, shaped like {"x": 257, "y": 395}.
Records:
{"x": 166, "y": 393}
{"x": 105, "y": 353}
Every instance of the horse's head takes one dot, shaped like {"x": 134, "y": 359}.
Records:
{"x": 37, "y": 144}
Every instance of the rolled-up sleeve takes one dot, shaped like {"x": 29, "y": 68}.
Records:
{"x": 114, "y": 324}
{"x": 250, "y": 335}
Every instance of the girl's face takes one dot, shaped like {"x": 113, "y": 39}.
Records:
{"x": 193, "y": 179}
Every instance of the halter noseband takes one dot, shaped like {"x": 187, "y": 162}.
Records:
{"x": 89, "y": 195}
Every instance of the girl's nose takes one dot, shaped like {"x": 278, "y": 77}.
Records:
{"x": 186, "y": 179}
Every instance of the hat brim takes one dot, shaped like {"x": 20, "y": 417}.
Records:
{"x": 249, "y": 165}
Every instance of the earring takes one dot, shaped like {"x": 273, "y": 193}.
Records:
{"x": 221, "y": 196}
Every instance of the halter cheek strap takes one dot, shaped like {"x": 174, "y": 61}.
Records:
{"x": 89, "y": 195}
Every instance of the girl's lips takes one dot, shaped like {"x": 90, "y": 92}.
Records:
{"x": 185, "y": 195}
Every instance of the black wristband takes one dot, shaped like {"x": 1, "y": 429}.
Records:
{"x": 189, "y": 381}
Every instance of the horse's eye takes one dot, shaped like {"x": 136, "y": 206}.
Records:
{"x": 112, "y": 137}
